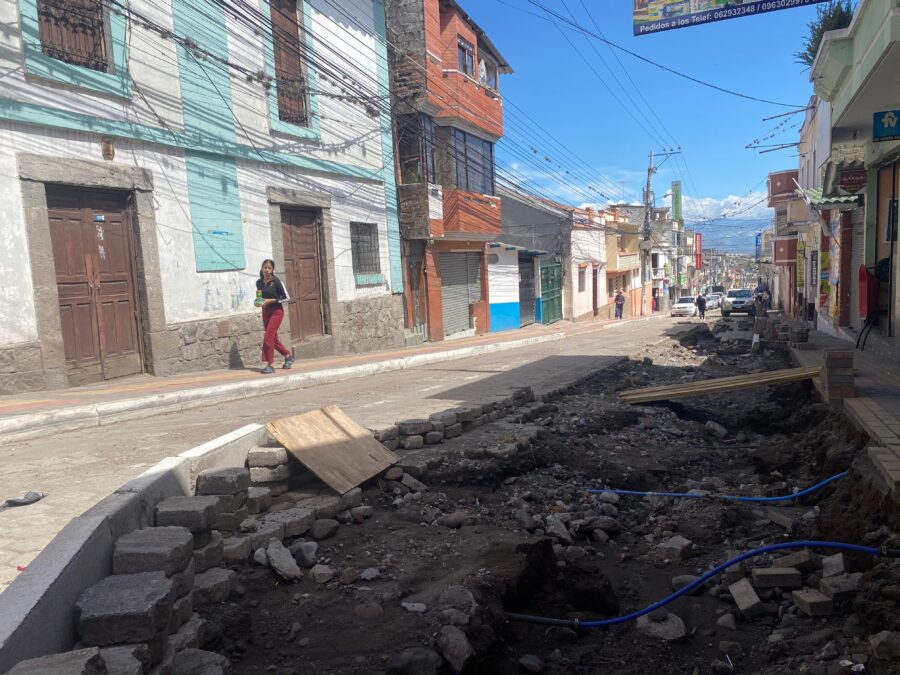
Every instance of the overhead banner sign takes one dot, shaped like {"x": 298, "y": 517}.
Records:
{"x": 698, "y": 250}
{"x": 653, "y": 16}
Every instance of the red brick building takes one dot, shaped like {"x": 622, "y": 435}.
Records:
{"x": 448, "y": 117}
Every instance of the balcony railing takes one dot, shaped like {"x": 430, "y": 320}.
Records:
{"x": 470, "y": 212}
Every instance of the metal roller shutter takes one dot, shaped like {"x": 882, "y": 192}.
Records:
{"x": 460, "y": 280}
{"x": 857, "y": 258}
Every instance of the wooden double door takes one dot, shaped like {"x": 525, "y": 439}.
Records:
{"x": 90, "y": 232}
{"x": 303, "y": 272}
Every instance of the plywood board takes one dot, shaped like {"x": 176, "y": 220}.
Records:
{"x": 718, "y": 385}
{"x": 334, "y": 447}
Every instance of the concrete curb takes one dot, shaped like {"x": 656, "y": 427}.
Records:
{"x": 38, "y": 616}
{"x": 30, "y": 425}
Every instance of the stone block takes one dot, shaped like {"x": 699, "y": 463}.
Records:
{"x": 166, "y": 661}
{"x": 231, "y": 503}
{"x": 153, "y": 549}
{"x": 813, "y": 603}
{"x": 223, "y": 481}
{"x": 188, "y": 636}
{"x": 211, "y": 554}
{"x": 676, "y": 548}
{"x": 324, "y": 528}
{"x": 351, "y": 498}
{"x": 193, "y": 513}
{"x": 886, "y": 646}
{"x": 388, "y": 434}
{"x": 445, "y": 418}
{"x": 236, "y": 550}
{"x": 125, "y": 608}
{"x": 453, "y": 430}
{"x": 306, "y": 553}
{"x": 213, "y": 586}
{"x": 841, "y": 588}
{"x": 258, "y": 500}
{"x": 412, "y": 442}
{"x": 325, "y": 506}
{"x": 181, "y": 612}
{"x": 414, "y": 427}
{"x": 199, "y": 662}
{"x": 804, "y": 560}
{"x": 126, "y": 660}
{"x": 229, "y": 522}
{"x": 746, "y": 599}
{"x": 473, "y": 424}
{"x": 736, "y": 572}
{"x": 266, "y": 456}
{"x": 296, "y": 521}
{"x": 392, "y": 444}
{"x": 776, "y": 577}
{"x": 434, "y": 437}
{"x": 270, "y": 474}
{"x": 183, "y": 581}
{"x": 275, "y": 488}
{"x": 79, "y": 662}
{"x": 265, "y": 531}
{"x": 281, "y": 560}
{"x": 783, "y": 517}
{"x": 833, "y": 565}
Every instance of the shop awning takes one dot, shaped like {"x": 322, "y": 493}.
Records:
{"x": 816, "y": 200}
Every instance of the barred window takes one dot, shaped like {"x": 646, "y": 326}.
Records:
{"x": 290, "y": 82}
{"x": 364, "y": 248}
{"x": 74, "y": 31}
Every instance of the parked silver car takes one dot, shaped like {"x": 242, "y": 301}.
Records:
{"x": 714, "y": 301}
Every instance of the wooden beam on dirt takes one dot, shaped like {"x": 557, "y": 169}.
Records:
{"x": 718, "y": 385}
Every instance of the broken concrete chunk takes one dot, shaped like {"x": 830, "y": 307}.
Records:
{"x": 556, "y": 528}
{"x": 163, "y": 549}
{"x": 321, "y": 574}
{"x": 351, "y": 498}
{"x": 281, "y": 560}
{"x": 264, "y": 531}
{"x": 746, "y": 599}
{"x": 886, "y": 646}
{"x": 223, "y": 481}
{"x": 458, "y": 597}
{"x": 670, "y": 629}
{"x": 305, "y": 553}
{"x": 325, "y": 528}
{"x": 361, "y": 513}
{"x": 125, "y": 608}
{"x": 413, "y": 484}
{"x": 80, "y": 662}
{"x": 296, "y": 521}
{"x": 716, "y": 429}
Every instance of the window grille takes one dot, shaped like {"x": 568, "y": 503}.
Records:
{"x": 74, "y": 31}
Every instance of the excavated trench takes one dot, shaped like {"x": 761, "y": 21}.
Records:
{"x": 528, "y": 539}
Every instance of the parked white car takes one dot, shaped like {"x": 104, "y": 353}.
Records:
{"x": 684, "y": 307}
{"x": 714, "y": 300}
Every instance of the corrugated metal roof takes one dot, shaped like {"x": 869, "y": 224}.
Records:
{"x": 816, "y": 199}
{"x": 513, "y": 247}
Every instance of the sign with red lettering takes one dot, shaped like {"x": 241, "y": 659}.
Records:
{"x": 852, "y": 180}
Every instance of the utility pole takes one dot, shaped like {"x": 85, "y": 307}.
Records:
{"x": 646, "y": 244}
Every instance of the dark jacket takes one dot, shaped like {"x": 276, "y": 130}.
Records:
{"x": 273, "y": 290}
{"x": 620, "y": 299}
{"x": 701, "y": 302}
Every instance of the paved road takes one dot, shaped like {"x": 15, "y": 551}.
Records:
{"x": 79, "y": 468}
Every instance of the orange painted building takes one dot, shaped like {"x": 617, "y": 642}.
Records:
{"x": 448, "y": 117}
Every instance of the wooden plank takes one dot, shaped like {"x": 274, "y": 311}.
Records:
{"x": 719, "y": 385}
{"x": 334, "y": 447}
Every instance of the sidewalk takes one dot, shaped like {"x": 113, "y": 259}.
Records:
{"x": 875, "y": 409}
{"x": 28, "y": 415}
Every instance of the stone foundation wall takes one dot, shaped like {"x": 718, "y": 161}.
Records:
{"x": 21, "y": 369}
{"x": 233, "y": 342}
{"x": 369, "y": 324}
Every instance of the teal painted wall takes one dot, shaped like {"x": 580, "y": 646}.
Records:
{"x": 387, "y": 149}
{"x": 213, "y": 195}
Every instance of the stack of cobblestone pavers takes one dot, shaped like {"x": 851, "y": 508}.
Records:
{"x": 269, "y": 469}
{"x": 147, "y": 617}
{"x": 413, "y": 434}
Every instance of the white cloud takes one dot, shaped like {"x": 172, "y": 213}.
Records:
{"x": 750, "y": 206}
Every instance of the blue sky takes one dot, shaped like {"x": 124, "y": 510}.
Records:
{"x": 611, "y": 132}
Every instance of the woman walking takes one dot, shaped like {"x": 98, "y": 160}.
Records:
{"x": 270, "y": 293}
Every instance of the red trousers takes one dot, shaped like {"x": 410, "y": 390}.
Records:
{"x": 272, "y": 315}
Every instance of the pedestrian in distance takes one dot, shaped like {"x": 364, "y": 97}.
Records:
{"x": 701, "y": 305}
{"x": 620, "y": 304}
{"x": 270, "y": 294}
